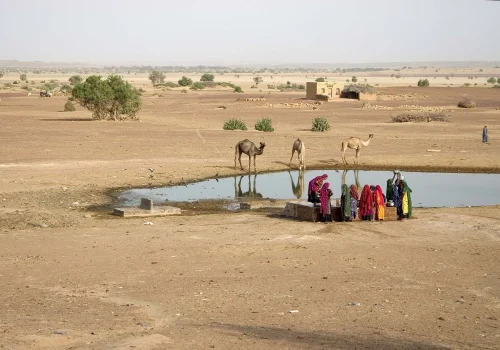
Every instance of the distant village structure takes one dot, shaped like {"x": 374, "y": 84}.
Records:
{"x": 325, "y": 91}
{"x": 315, "y": 90}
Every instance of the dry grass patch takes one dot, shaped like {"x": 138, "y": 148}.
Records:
{"x": 419, "y": 117}
{"x": 466, "y": 103}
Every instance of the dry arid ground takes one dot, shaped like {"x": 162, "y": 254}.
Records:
{"x": 74, "y": 277}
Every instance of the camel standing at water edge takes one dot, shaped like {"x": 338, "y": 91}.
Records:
{"x": 354, "y": 143}
{"x": 248, "y": 147}
{"x": 299, "y": 146}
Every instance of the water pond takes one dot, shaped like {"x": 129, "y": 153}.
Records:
{"x": 429, "y": 189}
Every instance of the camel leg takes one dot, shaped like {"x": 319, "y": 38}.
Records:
{"x": 293, "y": 152}
{"x": 250, "y": 163}
{"x": 254, "y": 164}
{"x": 356, "y": 160}
{"x": 239, "y": 158}
{"x": 343, "y": 157}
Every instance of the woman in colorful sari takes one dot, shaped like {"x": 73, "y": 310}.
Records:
{"x": 313, "y": 192}
{"x": 406, "y": 205}
{"x": 325, "y": 208}
{"x": 379, "y": 203}
{"x": 396, "y": 197}
{"x": 345, "y": 203}
{"x": 354, "y": 201}
{"x": 366, "y": 204}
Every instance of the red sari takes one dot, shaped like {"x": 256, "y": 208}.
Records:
{"x": 366, "y": 203}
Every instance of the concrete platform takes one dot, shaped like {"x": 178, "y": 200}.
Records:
{"x": 302, "y": 210}
{"x": 138, "y": 212}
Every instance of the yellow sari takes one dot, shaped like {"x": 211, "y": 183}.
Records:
{"x": 380, "y": 206}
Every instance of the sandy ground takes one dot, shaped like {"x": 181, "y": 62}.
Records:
{"x": 74, "y": 277}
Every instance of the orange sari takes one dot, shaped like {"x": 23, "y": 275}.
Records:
{"x": 380, "y": 203}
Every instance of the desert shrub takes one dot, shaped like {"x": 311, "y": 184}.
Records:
{"x": 53, "y": 81}
{"x": 75, "y": 79}
{"x": 15, "y": 82}
{"x": 7, "y": 85}
{"x": 208, "y": 84}
{"x": 185, "y": 81}
{"x": 69, "y": 106}
{"x": 354, "y": 79}
{"x": 184, "y": 91}
{"x": 170, "y": 84}
{"x": 265, "y": 124}
{"x": 320, "y": 80}
{"x": 320, "y": 124}
{"x": 257, "y": 80}
{"x": 197, "y": 86}
{"x": 466, "y": 103}
{"x": 301, "y": 87}
{"x": 271, "y": 87}
{"x": 141, "y": 91}
{"x": 25, "y": 87}
{"x": 467, "y": 85}
{"x": 66, "y": 88}
{"x": 222, "y": 107}
{"x": 207, "y": 77}
{"x": 234, "y": 124}
{"x": 23, "y": 77}
{"x": 157, "y": 77}
{"x": 497, "y": 86}
{"x": 419, "y": 117}
{"x": 491, "y": 80}
{"x": 423, "y": 83}
{"x": 1, "y": 74}
{"x": 113, "y": 98}
{"x": 49, "y": 86}
{"x": 238, "y": 89}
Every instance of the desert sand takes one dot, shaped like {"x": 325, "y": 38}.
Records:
{"x": 72, "y": 276}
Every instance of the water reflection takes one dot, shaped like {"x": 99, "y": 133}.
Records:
{"x": 251, "y": 193}
{"x": 298, "y": 189}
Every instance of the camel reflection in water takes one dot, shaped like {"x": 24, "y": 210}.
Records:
{"x": 251, "y": 193}
{"x": 298, "y": 189}
{"x": 356, "y": 179}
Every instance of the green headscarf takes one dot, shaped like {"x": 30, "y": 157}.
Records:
{"x": 407, "y": 190}
{"x": 346, "y": 194}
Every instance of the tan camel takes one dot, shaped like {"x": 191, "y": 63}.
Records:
{"x": 248, "y": 147}
{"x": 299, "y": 146}
{"x": 354, "y": 143}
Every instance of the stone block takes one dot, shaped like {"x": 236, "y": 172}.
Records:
{"x": 391, "y": 214}
{"x": 146, "y": 204}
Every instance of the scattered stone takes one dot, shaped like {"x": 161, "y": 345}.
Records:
{"x": 354, "y": 304}
{"x": 293, "y": 311}
{"x": 148, "y": 223}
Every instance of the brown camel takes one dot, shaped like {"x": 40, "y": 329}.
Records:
{"x": 354, "y": 143}
{"x": 248, "y": 147}
{"x": 299, "y": 146}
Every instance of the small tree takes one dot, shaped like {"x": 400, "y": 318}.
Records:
{"x": 257, "y": 80}
{"x": 320, "y": 80}
{"x": 207, "y": 77}
{"x": 491, "y": 80}
{"x": 238, "y": 89}
{"x": 157, "y": 77}
{"x": 75, "y": 80}
{"x": 108, "y": 99}
{"x": 23, "y": 77}
{"x": 354, "y": 79}
{"x": 423, "y": 83}
{"x": 185, "y": 81}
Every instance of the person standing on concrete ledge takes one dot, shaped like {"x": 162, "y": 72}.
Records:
{"x": 485, "y": 134}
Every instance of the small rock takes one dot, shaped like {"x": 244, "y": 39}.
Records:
{"x": 148, "y": 223}
{"x": 441, "y": 318}
{"x": 293, "y": 311}
{"x": 87, "y": 216}
{"x": 354, "y": 304}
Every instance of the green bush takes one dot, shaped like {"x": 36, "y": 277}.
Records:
{"x": 66, "y": 88}
{"x": 301, "y": 87}
{"x": 320, "y": 124}
{"x": 491, "y": 80}
{"x": 423, "y": 83}
{"x": 23, "y": 77}
{"x": 234, "y": 124}
{"x": 69, "y": 106}
{"x": 207, "y": 77}
{"x": 113, "y": 98}
{"x": 238, "y": 89}
{"x": 265, "y": 124}
{"x": 75, "y": 80}
{"x": 354, "y": 79}
{"x": 497, "y": 86}
{"x": 197, "y": 86}
{"x": 170, "y": 84}
{"x": 257, "y": 81}
{"x": 185, "y": 81}
{"x": 49, "y": 86}
{"x": 320, "y": 80}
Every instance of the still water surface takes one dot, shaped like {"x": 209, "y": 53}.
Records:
{"x": 429, "y": 189}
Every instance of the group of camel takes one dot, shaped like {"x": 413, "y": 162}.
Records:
{"x": 248, "y": 147}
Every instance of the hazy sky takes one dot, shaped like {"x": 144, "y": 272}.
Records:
{"x": 232, "y": 31}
